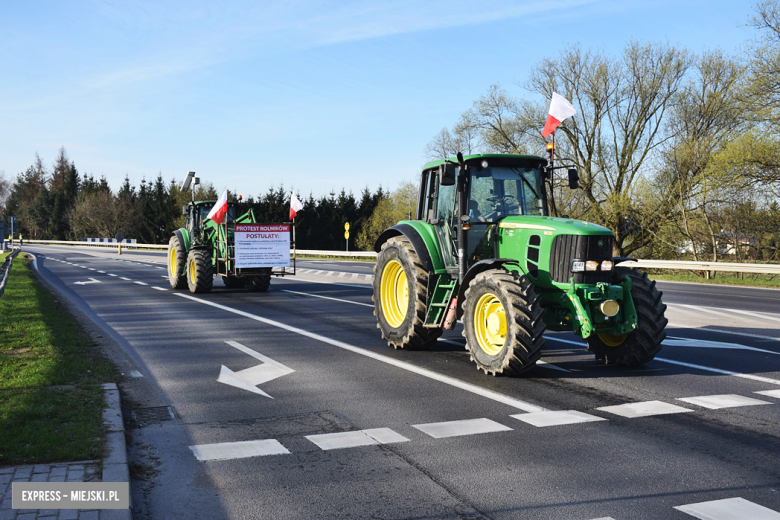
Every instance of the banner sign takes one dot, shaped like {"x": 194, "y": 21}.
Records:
{"x": 262, "y": 245}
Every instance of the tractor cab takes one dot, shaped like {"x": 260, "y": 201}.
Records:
{"x": 493, "y": 187}
{"x": 197, "y": 212}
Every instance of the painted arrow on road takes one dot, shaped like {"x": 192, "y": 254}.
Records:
{"x": 86, "y": 283}
{"x": 249, "y": 378}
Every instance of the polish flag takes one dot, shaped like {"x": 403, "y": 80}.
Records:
{"x": 560, "y": 109}
{"x": 295, "y": 205}
{"x": 217, "y": 213}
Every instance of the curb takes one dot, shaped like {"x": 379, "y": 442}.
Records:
{"x": 115, "y": 465}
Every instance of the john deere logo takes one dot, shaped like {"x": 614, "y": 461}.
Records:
{"x": 601, "y": 243}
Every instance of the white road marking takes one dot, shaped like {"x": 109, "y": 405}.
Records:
{"x": 458, "y": 428}
{"x": 102, "y": 272}
{"x": 770, "y": 393}
{"x": 141, "y": 283}
{"x": 644, "y": 409}
{"x": 159, "y": 288}
{"x": 157, "y": 267}
{"x": 729, "y": 509}
{"x": 335, "y": 441}
{"x": 136, "y": 373}
{"x": 109, "y": 274}
{"x": 719, "y": 371}
{"x": 542, "y": 419}
{"x": 92, "y": 280}
{"x": 163, "y": 277}
{"x": 687, "y": 342}
{"x": 540, "y": 363}
{"x": 474, "y": 389}
{"x": 123, "y": 278}
{"x": 760, "y": 315}
{"x": 740, "y": 334}
{"x": 303, "y": 280}
{"x": 715, "y": 402}
{"x": 328, "y": 298}
{"x": 92, "y": 269}
{"x": 249, "y": 378}
{"x": 82, "y": 266}
{"x": 238, "y": 450}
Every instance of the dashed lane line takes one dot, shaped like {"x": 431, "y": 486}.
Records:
{"x": 474, "y": 389}
{"x": 644, "y": 409}
{"x": 159, "y": 288}
{"x": 335, "y": 441}
{"x": 141, "y": 283}
{"x": 543, "y": 419}
{"x": 110, "y": 274}
{"x": 459, "y": 428}
{"x": 126, "y": 279}
{"x": 716, "y": 402}
{"x": 729, "y": 509}
{"x": 238, "y": 450}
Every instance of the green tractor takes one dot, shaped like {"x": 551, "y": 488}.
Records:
{"x": 484, "y": 250}
{"x": 202, "y": 249}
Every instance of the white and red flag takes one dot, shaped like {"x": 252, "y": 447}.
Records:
{"x": 560, "y": 109}
{"x": 217, "y": 213}
{"x": 295, "y": 205}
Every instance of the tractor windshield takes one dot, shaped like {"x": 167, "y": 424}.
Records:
{"x": 497, "y": 192}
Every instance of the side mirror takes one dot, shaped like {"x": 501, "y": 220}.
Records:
{"x": 185, "y": 210}
{"x": 574, "y": 179}
{"x": 447, "y": 174}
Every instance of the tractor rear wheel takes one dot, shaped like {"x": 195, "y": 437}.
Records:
{"x": 400, "y": 293}
{"x": 232, "y": 282}
{"x": 259, "y": 282}
{"x": 642, "y": 345}
{"x": 502, "y": 322}
{"x": 177, "y": 264}
{"x": 200, "y": 272}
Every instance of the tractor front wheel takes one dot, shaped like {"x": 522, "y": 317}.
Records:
{"x": 400, "y": 291}
{"x": 502, "y": 322}
{"x": 177, "y": 264}
{"x": 642, "y": 345}
{"x": 200, "y": 272}
{"x": 259, "y": 282}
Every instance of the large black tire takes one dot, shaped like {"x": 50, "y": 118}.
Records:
{"x": 177, "y": 264}
{"x": 232, "y": 282}
{"x": 502, "y": 322}
{"x": 200, "y": 272}
{"x": 400, "y": 295}
{"x": 259, "y": 282}
{"x": 642, "y": 345}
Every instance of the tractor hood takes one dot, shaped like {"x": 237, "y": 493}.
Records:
{"x": 558, "y": 225}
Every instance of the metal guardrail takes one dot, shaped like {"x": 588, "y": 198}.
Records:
{"x": 6, "y": 267}
{"x": 645, "y": 264}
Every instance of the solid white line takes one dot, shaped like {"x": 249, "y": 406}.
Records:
{"x": 327, "y": 298}
{"x": 719, "y": 371}
{"x": 238, "y": 450}
{"x": 304, "y": 280}
{"x": 729, "y": 509}
{"x": 458, "y": 428}
{"x": 701, "y": 343}
{"x": 474, "y": 389}
{"x": 759, "y": 336}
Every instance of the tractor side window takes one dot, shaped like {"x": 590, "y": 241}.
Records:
{"x": 445, "y": 205}
{"x": 532, "y": 202}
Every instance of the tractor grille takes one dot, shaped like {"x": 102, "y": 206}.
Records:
{"x": 565, "y": 248}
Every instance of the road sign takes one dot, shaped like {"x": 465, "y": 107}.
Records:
{"x": 346, "y": 226}
{"x": 120, "y": 237}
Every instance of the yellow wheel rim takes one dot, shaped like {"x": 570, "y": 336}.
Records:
{"x": 394, "y": 295}
{"x": 172, "y": 262}
{"x": 612, "y": 341}
{"x": 193, "y": 276}
{"x": 490, "y": 324}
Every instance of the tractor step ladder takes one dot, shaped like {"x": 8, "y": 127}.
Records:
{"x": 442, "y": 295}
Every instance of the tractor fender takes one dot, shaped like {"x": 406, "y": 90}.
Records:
{"x": 414, "y": 238}
{"x": 481, "y": 266}
{"x": 183, "y": 236}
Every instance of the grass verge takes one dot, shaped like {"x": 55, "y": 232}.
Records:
{"x": 723, "y": 278}
{"x": 51, "y": 399}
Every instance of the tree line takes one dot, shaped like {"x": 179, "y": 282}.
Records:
{"x": 678, "y": 153}
{"x": 62, "y": 204}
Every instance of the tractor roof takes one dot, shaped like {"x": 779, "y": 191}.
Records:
{"x": 503, "y": 158}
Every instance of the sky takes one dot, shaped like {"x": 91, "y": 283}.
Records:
{"x": 315, "y": 95}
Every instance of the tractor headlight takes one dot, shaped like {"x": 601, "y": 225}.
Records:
{"x": 609, "y": 307}
{"x": 607, "y": 265}
{"x": 591, "y": 265}
{"x": 577, "y": 266}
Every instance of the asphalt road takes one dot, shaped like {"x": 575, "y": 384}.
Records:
{"x": 339, "y": 425}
